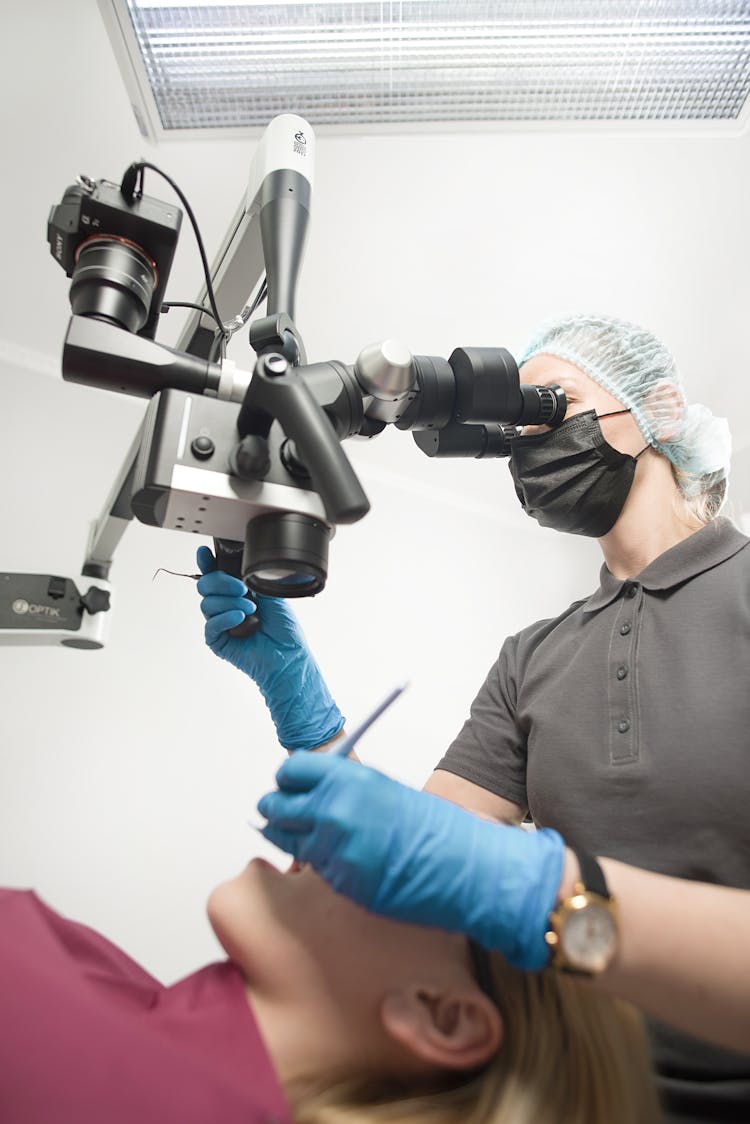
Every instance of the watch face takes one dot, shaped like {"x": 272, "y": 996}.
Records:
{"x": 590, "y": 937}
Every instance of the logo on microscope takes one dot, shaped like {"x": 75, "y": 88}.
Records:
{"x": 21, "y": 606}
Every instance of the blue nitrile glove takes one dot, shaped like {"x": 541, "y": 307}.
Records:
{"x": 415, "y": 857}
{"x": 276, "y": 657}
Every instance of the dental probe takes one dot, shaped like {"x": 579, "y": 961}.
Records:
{"x": 346, "y": 745}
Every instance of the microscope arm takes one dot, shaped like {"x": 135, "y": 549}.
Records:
{"x": 106, "y": 531}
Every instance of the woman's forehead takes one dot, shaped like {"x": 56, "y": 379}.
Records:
{"x": 543, "y": 370}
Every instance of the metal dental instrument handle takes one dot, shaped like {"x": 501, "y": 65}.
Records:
{"x": 346, "y": 745}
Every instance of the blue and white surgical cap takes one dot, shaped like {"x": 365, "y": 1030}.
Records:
{"x": 635, "y": 367}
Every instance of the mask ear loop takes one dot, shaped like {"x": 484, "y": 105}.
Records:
{"x": 614, "y": 414}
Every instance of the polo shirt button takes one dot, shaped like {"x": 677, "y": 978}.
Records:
{"x": 631, "y": 589}
{"x": 623, "y": 725}
{"x": 624, "y": 629}
{"x": 622, "y": 671}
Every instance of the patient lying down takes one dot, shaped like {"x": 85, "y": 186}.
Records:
{"x": 368, "y": 1019}
{"x": 322, "y": 1014}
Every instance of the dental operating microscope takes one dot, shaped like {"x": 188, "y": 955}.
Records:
{"x": 251, "y": 458}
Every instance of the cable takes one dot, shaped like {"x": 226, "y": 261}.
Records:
{"x": 217, "y": 350}
{"x": 262, "y": 294}
{"x": 221, "y": 339}
{"x": 132, "y": 185}
{"x": 249, "y": 309}
{"x": 187, "y": 304}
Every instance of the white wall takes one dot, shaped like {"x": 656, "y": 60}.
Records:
{"x": 126, "y": 776}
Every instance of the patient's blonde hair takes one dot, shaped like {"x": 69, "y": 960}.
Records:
{"x": 569, "y": 1055}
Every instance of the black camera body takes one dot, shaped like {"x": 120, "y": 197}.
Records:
{"x": 118, "y": 251}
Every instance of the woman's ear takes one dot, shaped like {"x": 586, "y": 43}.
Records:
{"x": 457, "y": 1028}
{"x": 666, "y": 404}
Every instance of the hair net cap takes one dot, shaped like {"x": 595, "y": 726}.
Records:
{"x": 635, "y": 367}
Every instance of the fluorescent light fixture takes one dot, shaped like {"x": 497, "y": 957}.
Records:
{"x": 196, "y": 66}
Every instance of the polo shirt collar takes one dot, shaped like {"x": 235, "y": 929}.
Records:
{"x": 712, "y": 545}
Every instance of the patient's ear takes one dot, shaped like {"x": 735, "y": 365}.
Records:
{"x": 456, "y": 1028}
{"x": 666, "y": 404}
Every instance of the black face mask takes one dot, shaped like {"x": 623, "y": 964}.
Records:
{"x": 571, "y": 478}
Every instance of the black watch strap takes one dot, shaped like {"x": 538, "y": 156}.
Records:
{"x": 592, "y": 874}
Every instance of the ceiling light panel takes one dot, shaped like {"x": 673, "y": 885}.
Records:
{"x": 236, "y": 65}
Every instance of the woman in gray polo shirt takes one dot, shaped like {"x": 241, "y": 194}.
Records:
{"x": 622, "y": 723}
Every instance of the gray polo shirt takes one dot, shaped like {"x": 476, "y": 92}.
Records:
{"x": 624, "y": 723}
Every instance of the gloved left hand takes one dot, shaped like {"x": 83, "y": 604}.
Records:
{"x": 276, "y": 657}
{"x": 415, "y": 857}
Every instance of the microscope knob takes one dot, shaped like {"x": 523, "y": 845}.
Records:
{"x": 95, "y": 600}
{"x": 250, "y": 459}
{"x": 385, "y": 371}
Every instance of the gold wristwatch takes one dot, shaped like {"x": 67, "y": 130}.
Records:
{"x": 584, "y": 931}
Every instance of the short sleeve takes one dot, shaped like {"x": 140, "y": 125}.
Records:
{"x": 490, "y": 749}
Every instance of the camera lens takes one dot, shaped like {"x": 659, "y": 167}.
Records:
{"x": 113, "y": 280}
{"x": 286, "y": 554}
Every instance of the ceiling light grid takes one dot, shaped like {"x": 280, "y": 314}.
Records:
{"x": 235, "y": 65}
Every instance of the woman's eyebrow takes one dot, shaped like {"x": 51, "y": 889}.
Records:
{"x": 569, "y": 383}
{"x": 570, "y": 377}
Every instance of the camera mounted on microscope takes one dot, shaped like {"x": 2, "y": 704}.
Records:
{"x": 117, "y": 248}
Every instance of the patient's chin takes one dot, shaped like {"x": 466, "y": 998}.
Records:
{"x": 217, "y": 908}
{"x": 238, "y": 914}
{"x": 228, "y": 898}
{"x": 229, "y": 911}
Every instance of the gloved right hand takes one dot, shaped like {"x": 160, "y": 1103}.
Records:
{"x": 413, "y": 856}
{"x": 276, "y": 657}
